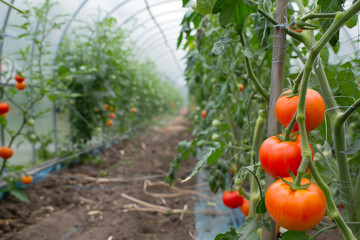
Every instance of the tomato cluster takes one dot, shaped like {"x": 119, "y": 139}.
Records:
{"x": 20, "y": 81}
{"x": 300, "y": 209}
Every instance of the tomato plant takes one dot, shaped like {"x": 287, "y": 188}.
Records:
{"x": 232, "y": 199}
{"x": 232, "y": 47}
{"x": 296, "y": 210}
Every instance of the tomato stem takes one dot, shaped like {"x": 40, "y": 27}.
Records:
{"x": 251, "y": 74}
{"x": 255, "y": 186}
{"x": 333, "y": 212}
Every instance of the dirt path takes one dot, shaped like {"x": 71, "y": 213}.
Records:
{"x": 65, "y": 206}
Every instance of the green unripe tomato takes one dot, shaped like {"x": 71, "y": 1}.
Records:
{"x": 30, "y": 122}
{"x": 32, "y": 137}
{"x": 98, "y": 129}
{"x": 72, "y": 102}
{"x": 215, "y": 137}
{"x": 215, "y": 123}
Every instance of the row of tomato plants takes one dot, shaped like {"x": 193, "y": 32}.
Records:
{"x": 315, "y": 162}
{"x": 94, "y": 78}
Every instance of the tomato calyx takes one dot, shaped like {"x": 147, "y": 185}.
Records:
{"x": 289, "y": 94}
{"x": 293, "y": 185}
{"x": 293, "y": 137}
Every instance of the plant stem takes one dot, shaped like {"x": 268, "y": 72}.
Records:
{"x": 333, "y": 212}
{"x": 318, "y": 15}
{"x": 339, "y": 133}
{"x": 251, "y": 74}
{"x": 342, "y": 117}
{"x": 255, "y": 186}
{"x": 12, "y": 6}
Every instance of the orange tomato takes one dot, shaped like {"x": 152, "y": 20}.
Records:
{"x": 203, "y": 113}
{"x": 286, "y": 107}
{"x": 109, "y": 122}
{"x": 245, "y": 207}
{"x": 6, "y": 152}
{"x": 26, "y": 180}
{"x": 172, "y": 104}
{"x": 112, "y": 115}
{"x": 241, "y": 87}
{"x": 133, "y": 110}
{"x": 20, "y": 85}
{"x": 297, "y": 210}
{"x": 193, "y": 108}
{"x": 106, "y": 106}
{"x": 111, "y": 109}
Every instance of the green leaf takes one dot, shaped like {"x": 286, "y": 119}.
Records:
{"x": 184, "y": 2}
{"x": 204, "y": 6}
{"x": 352, "y": 22}
{"x": 249, "y": 228}
{"x": 294, "y": 235}
{"x": 236, "y": 11}
{"x": 244, "y": 171}
{"x": 215, "y": 155}
{"x": 199, "y": 164}
{"x": 261, "y": 207}
{"x": 19, "y": 194}
{"x": 354, "y": 147}
{"x": 179, "y": 40}
{"x": 326, "y": 7}
{"x": 229, "y": 235}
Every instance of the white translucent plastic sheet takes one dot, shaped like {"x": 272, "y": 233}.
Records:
{"x": 132, "y": 15}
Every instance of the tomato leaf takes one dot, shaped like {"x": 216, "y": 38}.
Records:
{"x": 261, "y": 207}
{"x": 209, "y": 155}
{"x": 19, "y": 194}
{"x": 233, "y": 11}
{"x": 229, "y": 235}
{"x": 215, "y": 155}
{"x": 244, "y": 171}
{"x": 354, "y": 147}
{"x": 249, "y": 228}
{"x": 294, "y": 235}
{"x": 184, "y": 2}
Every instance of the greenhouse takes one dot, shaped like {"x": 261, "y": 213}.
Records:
{"x": 179, "y": 119}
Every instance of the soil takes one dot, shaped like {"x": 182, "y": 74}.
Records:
{"x": 69, "y": 204}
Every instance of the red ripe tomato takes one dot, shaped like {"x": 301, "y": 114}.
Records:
{"x": 19, "y": 77}
{"x": 245, "y": 207}
{"x": 277, "y": 157}
{"x": 297, "y": 210}
{"x": 6, "y": 152}
{"x": 241, "y": 87}
{"x": 112, "y": 115}
{"x": 286, "y": 107}
{"x": 203, "y": 113}
{"x": 26, "y": 180}
{"x": 232, "y": 199}
{"x": 4, "y": 107}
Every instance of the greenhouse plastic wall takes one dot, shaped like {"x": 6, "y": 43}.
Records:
{"x": 153, "y": 24}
